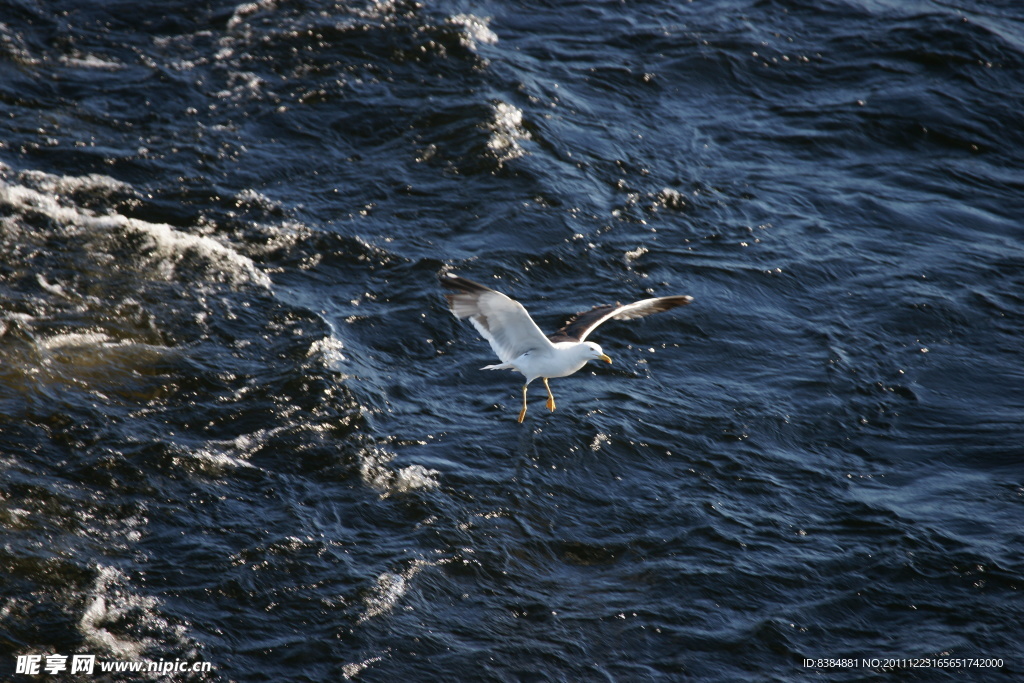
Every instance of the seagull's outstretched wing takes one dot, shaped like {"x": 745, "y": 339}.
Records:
{"x": 502, "y": 321}
{"x": 582, "y": 324}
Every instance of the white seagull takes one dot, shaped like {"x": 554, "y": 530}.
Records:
{"x": 520, "y": 344}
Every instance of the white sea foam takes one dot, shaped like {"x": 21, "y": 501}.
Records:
{"x": 671, "y": 199}
{"x": 109, "y": 603}
{"x": 329, "y": 349}
{"x": 507, "y": 132}
{"x": 353, "y": 669}
{"x": 413, "y": 477}
{"x": 50, "y": 287}
{"x": 245, "y": 9}
{"x": 389, "y": 590}
{"x": 376, "y": 473}
{"x": 215, "y": 463}
{"x": 165, "y": 247}
{"x": 119, "y": 623}
{"x": 250, "y": 197}
{"x": 90, "y": 62}
{"x": 76, "y": 339}
{"x": 173, "y": 245}
{"x": 635, "y": 253}
{"x": 475, "y": 30}
{"x": 13, "y": 46}
{"x": 93, "y": 183}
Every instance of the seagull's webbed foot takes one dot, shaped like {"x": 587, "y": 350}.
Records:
{"x": 551, "y": 397}
{"x": 522, "y": 413}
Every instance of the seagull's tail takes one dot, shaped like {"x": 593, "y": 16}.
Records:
{"x": 500, "y": 366}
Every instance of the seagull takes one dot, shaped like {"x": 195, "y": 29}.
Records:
{"x": 520, "y": 344}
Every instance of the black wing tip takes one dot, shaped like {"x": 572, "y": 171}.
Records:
{"x": 581, "y": 324}
{"x": 658, "y": 305}
{"x": 457, "y": 283}
{"x": 572, "y": 330}
{"x": 667, "y": 303}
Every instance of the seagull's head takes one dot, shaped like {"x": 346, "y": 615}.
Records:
{"x": 594, "y": 352}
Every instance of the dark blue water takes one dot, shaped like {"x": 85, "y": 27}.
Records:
{"x": 238, "y": 425}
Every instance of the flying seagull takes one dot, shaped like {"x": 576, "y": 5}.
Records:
{"x": 520, "y": 344}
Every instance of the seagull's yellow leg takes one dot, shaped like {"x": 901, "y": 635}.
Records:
{"x": 551, "y": 397}
{"x": 522, "y": 413}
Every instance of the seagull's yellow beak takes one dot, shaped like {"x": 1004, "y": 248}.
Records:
{"x": 605, "y": 358}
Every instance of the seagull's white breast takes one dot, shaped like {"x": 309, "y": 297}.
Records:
{"x": 562, "y": 360}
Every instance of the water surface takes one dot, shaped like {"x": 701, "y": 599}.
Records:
{"x": 239, "y": 426}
